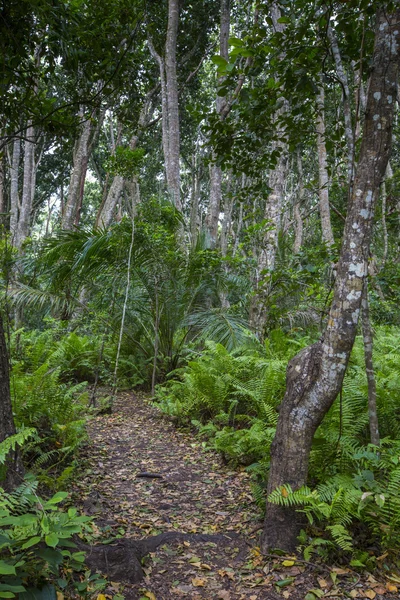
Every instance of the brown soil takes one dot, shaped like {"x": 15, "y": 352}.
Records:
{"x": 198, "y": 496}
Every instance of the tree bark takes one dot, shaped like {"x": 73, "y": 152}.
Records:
{"x": 368, "y": 340}
{"x": 24, "y": 220}
{"x": 212, "y": 217}
{"x": 78, "y": 174}
{"x": 315, "y": 375}
{"x": 327, "y": 234}
{"x": 348, "y": 128}
{"x": 173, "y": 176}
{"x": 298, "y": 222}
{"x": 14, "y": 192}
{"x": 14, "y": 469}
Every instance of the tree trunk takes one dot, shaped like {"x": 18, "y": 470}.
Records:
{"x": 315, "y": 375}
{"x": 327, "y": 234}
{"x": 348, "y": 128}
{"x": 14, "y": 469}
{"x": 173, "y": 176}
{"x": 273, "y": 210}
{"x": 25, "y": 211}
{"x": 368, "y": 339}
{"x": 14, "y": 192}
{"x": 78, "y": 175}
{"x": 298, "y": 222}
{"x": 212, "y": 217}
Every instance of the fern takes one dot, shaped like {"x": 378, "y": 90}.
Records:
{"x": 13, "y": 441}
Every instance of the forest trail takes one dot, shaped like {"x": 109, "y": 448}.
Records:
{"x": 199, "y": 496}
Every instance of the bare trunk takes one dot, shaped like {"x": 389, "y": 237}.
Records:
{"x": 24, "y": 220}
{"x": 194, "y": 205}
{"x": 173, "y": 173}
{"x": 215, "y": 170}
{"x": 106, "y": 213}
{"x": 14, "y": 469}
{"x": 348, "y": 128}
{"x": 298, "y": 222}
{"x": 267, "y": 252}
{"x": 14, "y": 192}
{"x": 156, "y": 340}
{"x": 327, "y": 234}
{"x": 315, "y": 375}
{"x": 239, "y": 224}
{"x": 226, "y": 224}
{"x": 368, "y": 339}
{"x": 273, "y": 211}
{"x": 78, "y": 176}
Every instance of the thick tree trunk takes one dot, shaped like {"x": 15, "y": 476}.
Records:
{"x": 14, "y": 469}
{"x": 215, "y": 170}
{"x": 368, "y": 339}
{"x": 315, "y": 375}
{"x": 24, "y": 220}
{"x": 327, "y": 234}
{"x": 78, "y": 176}
{"x": 14, "y": 192}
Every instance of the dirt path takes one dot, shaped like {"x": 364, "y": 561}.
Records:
{"x": 197, "y": 494}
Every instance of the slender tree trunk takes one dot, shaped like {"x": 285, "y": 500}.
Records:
{"x": 24, "y": 220}
{"x": 315, "y": 375}
{"x": 368, "y": 339}
{"x": 298, "y": 221}
{"x": 78, "y": 175}
{"x": 327, "y": 234}
{"x": 173, "y": 177}
{"x": 348, "y": 128}
{"x": 14, "y": 192}
{"x": 195, "y": 197}
{"x": 273, "y": 211}
{"x": 212, "y": 217}
{"x": 14, "y": 469}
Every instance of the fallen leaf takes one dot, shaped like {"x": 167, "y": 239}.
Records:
{"x": 60, "y": 596}
{"x": 204, "y": 566}
{"x": 391, "y": 588}
{"x": 353, "y": 594}
{"x": 197, "y": 582}
{"x": 322, "y": 583}
{"x": 224, "y": 595}
{"x": 286, "y": 594}
{"x": 288, "y": 563}
{"x": 149, "y": 595}
{"x": 369, "y": 594}
{"x": 101, "y": 597}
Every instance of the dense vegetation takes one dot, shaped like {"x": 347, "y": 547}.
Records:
{"x": 174, "y": 186}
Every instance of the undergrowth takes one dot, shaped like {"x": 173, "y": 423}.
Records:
{"x": 232, "y": 399}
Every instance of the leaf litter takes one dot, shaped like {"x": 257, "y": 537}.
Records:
{"x": 145, "y": 478}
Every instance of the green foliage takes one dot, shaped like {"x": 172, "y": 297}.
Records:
{"x": 35, "y": 543}
{"x": 232, "y": 399}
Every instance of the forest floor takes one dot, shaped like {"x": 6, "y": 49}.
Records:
{"x": 199, "y": 496}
